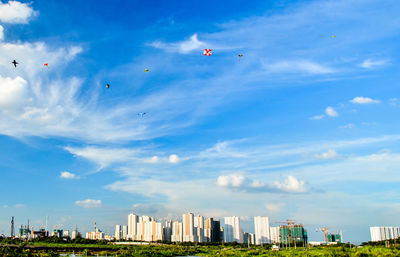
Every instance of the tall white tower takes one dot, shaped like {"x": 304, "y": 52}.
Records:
{"x": 232, "y": 230}
{"x": 132, "y": 226}
{"x": 262, "y": 230}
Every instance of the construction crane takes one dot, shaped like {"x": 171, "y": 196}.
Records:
{"x": 325, "y": 231}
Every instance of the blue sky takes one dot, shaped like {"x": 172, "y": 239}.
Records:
{"x": 303, "y": 127}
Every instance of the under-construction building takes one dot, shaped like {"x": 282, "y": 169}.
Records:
{"x": 334, "y": 238}
{"x": 293, "y": 234}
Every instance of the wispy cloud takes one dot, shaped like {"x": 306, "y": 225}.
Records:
{"x": 183, "y": 47}
{"x": 364, "y": 100}
{"x": 317, "y": 117}
{"x": 348, "y": 126}
{"x": 330, "y": 154}
{"x": 370, "y": 64}
{"x": 89, "y": 203}
{"x": 300, "y": 66}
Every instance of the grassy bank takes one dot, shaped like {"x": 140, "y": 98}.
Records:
{"x": 19, "y": 248}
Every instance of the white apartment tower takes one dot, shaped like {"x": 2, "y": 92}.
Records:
{"x": 118, "y": 232}
{"x": 384, "y": 233}
{"x": 124, "y": 232}
{"x": 177, "y": 232}
{"x": 232, "y": 230}
{"x": 199, "y": 228}
{"x": 262, "y": 231}
{"x": 132, "y": 226}
{"x": 274, "y": 232}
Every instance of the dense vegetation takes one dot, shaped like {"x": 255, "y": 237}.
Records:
{"x": 53, "y": 246}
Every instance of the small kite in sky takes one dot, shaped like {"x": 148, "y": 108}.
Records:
{"x": 146, "y": 70}
{"x": 107, "y": 85}
{"x": 46, "y": 65}
{"x": 333, "y": 36}
{"x": 141, "y": 114}
{"x": 207, "y": 52}
{"x": 240, "y": 56}
{"x": 15, "y": 63}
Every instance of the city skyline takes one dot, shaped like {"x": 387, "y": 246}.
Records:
{"x": 284, "y": 109}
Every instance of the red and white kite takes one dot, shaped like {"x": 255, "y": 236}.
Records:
{"x": 207, "y": 52}
{"x": 46, "y": 65}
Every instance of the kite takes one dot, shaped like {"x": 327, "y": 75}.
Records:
{"x": 146, "y": 70}
{"x": 15, "y": 63}
{"x": 46, "y": 65}
{"x": 141, "y": 114}
{"x": 240, "y": 56}
{"x": 207, "y": 52}
{"x": 333, "y": 36}
{"x": 107, "y": 85}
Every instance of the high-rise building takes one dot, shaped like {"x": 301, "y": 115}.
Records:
{"x": 177, "y": 232}
{"x": 232, "y": 230}
{"x": 168, "y": 230}
{"x": 249, "y": 238}
{"x": 208, "y": 223}
{"x": 384, "y": 233}
{"x": 118, "y": 232}
{"x": 66, "y": 234}
{"x": 132, "y": 226}
{"x": 142, "y": 229}
{"x": 188, "y": 228}
{"x": 262, "y": 232}
{"x": 75, "y": 233}
{"x": 95, "y": 235}
{"x": 274, "y": 232}
{"x": 216, "y": 231}
{"x": 199, "y": 228}
{"x": 124, "y": 232}
{"x": 212, "y": 230}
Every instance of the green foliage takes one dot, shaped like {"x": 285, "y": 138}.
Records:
{"x": 20, "y": 248}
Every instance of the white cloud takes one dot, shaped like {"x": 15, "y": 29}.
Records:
{"x": 274, "y": 207}
{"x": 232, "y": 180}
{"x": 291, "y": 185}
{"x": 19, "y": 205}
{"x": 331, "y": 112}
{"x": 89, "y": 203}
{"x": 239, "y": 182}
{"x": 13, "y": 92}
{"x": 301, "y": 66}
{"x": 154, "y": 159}
{"x": 15, "y": 12}
{"x": 1, "y": 33}
{"x": 348, "y": 126}
{"x": 369, "y": 64}
{"x": 330, "y": 154}
{"x": 363, "y": 100}
{"x": 317, "y": 117}
{"x": 173, "y": 158}
{"x": 183, "y": 47}
{"x": 394, "y": 101}
{"x": 68, "y": 175}
{"x": 104, "y": 156}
